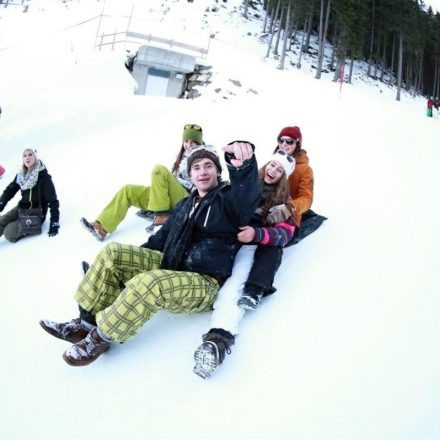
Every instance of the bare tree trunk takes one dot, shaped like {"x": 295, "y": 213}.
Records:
{"x": 292, "y": 37}
{"x": 351, "y": 70}
{"x": 323, "y": 37}
{"x": 246, "y": 4}
{"x": 420, "y": 75}
{"x": 370, "y": 56}
{"x": 286, "y": 34}
{"x": 337, "y": 70}
{"x": 277, "y": 42}
{"x": 332, "y": 59}
{"x": 309, "y": 32}
{"x": 265, "y": 21}
{"x": 271, "y": 33}
{"x": 376, "y": 57}
{"x": 273, "y": 17}
{"x": 392, "y": 60}
{"x": 399, "y": 66}
{"x": 321, "y": 31}
{"x": 382, "y": 73}
{"x": 436, "y": 79}
{"x": 298, "y": 64}
{"x": 408, "y": 79}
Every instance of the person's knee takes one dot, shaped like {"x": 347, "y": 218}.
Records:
{"x": 159, "y": 170}
{"x": 126, "y": 189}
{"x": 11, "y": 233}
{"x": 110, "y": 251}
{"x": 148, "y": 286}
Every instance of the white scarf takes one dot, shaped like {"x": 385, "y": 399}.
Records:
{"x": 29, "y": 179}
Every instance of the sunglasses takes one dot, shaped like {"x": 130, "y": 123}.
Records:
{"x": 192, "y": 127}
{"x": 287, "y": 141}
{"x": 283, "y": 153}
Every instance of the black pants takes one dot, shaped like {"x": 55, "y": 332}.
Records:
{"x": 267, "y": 260}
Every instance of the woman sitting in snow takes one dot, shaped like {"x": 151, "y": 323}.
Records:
{"x": 287, "y": 194}
{"x": 166, "y": 190}
{"x": 37, "y": 191}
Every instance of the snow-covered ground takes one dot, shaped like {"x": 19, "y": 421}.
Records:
{"x": 347, "y": 347}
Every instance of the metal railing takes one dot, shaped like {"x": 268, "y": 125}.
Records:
{"x": 116, "y": 38}
{"x": 129, "y": 36}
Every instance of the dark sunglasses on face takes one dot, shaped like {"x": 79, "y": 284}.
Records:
{"x": 287, "y": 141}
{"x": 192, "y": 127}
{"x": 283, "y": 153}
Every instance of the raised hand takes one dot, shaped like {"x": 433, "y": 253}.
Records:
{"x": 241, "y": 152}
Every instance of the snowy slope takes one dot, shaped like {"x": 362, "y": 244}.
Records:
{"x": 347, "y": 347}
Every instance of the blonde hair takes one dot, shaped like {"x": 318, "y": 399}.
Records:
{"x": 24, "y": 168}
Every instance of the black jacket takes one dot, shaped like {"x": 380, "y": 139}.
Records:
{"x": 207, "y": 242}
{"x": 43, "y": 190}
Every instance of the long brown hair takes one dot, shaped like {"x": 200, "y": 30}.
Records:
{"x": 276, "y": 194}
{"x": 179, "y": 157}
{"x": 178, "y": 160}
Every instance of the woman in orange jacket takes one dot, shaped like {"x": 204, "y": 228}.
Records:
{"x": 300, "y": 181}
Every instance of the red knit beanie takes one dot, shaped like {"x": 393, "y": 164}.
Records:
{"x": 293, "y": 132}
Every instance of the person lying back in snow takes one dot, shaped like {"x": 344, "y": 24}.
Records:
{"x": 161, "y": 197}
{"x": 179, "y": 269}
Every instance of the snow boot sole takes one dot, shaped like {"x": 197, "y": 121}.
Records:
{"x": 89, "y": 227}
{"x": 207, "y": 359}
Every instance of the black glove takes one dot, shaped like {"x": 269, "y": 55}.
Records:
{"x": 2, "y": 205}
{"x": 53, "y": 229}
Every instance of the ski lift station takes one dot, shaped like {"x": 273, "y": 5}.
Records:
{"x": 161, "y": 59}
{"x": 161, "y": 72}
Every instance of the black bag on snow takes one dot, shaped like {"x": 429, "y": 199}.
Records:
{"x": 30, "y": 221}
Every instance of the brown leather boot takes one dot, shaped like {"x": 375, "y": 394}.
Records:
{"x": 72, "y": 331}
{"x": 99, "y": 229}
{"x": 86, "y": 351}
{"x": 94, "y": 228}
{"x": 160, "y": 219}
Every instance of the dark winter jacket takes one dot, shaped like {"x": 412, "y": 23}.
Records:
{"x": 43, "y": 191}
{"x": 212, "y": 242}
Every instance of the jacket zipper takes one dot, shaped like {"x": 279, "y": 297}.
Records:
{"x": 207, "y": 215}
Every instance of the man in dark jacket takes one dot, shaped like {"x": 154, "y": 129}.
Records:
{"x": 179, "y": 269}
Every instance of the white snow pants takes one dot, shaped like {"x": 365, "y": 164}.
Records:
{"x": 227, "y": 314}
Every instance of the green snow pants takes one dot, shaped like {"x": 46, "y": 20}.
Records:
{"x": 121, "y": 313}
{"x": 163, "y": 195}
{"x": 9, "y": 226}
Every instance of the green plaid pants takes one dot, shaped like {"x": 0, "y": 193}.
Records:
{"x": 148, "y": 289}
